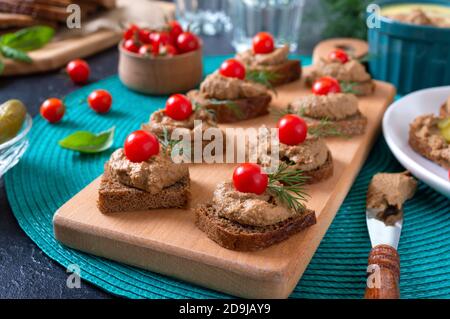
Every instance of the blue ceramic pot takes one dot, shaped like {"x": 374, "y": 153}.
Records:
{"x": 412, "y": 57}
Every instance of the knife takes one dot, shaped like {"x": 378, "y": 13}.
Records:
{"x": 383, "y": 272}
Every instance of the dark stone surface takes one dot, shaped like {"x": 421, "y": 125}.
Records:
{"x": 25, "y": 271}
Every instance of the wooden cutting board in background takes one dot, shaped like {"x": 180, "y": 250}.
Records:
{"x": 168, "y": 242}
{"x": 57, "y": 54}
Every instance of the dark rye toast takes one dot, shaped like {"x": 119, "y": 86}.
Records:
{"x": 234, "y": 236}
{"x": 283, "y": 73}
{"x": 233, "y": 110}
{"x": 116, "y": 197}
{"x": 321, "y": 173}
{"x": 351, "y": 126}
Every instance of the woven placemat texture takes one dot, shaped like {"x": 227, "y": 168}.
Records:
{"x": 48, "y": 176}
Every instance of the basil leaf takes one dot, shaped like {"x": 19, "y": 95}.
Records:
{"x": 28, "y": 39}
{"x": 88, "y": 142}
{"x": 2, "y": 67}
{"x": 15, "y": 54}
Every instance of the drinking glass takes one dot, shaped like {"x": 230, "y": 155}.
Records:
{"x": 282, "y": 18}
{"x": 206, "y": 17}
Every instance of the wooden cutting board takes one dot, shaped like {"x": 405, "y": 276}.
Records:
{"x": 167, "y": 241}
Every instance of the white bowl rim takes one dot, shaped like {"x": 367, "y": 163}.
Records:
{"x": 416, "y": 169}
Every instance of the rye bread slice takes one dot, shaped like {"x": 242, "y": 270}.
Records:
{"x": 116, "y": 197}
{"x": 238, "y": 110}
{"x": 286, "y": 72}
{"x": 421, "y": 146}
{"x": 354, "y": 125}
{"x": 321, "y": 173}
{"x": 234, "y": 236}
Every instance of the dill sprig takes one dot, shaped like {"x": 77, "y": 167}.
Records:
{"x": 279, "y": 113}
{"x": 229, "y": 104}
{"x": 167, "y": 144}
{"x": 263, "y": 77}
{"x": 325, "y": 128}
{"x": 198, "y": 107}
{"x": 349, "y": 87}
{"x": 287, "y": 185}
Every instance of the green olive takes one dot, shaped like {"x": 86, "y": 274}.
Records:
{"x": 12, "y": 116}
{"x": 442, "y": 124}
{"x": 446, "y": 133}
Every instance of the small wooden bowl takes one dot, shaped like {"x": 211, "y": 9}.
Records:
{"x": 160, "y": 75}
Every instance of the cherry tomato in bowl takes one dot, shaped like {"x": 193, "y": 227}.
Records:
{"x": 140, "y": 146}
{"x": 292, "y": 129}
{"x": 175, "y": 29}
{"x": 100, "y": 101}
{"x": 187, "y": 42}
{"x": 131, "y": 32}
{"x": 248, "y": 178}
{"x": 131, "y": 46}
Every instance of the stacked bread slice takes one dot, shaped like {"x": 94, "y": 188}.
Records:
{"x": 16, "y": 14}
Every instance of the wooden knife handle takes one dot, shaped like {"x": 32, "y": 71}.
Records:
{"x": 383, "y": 273}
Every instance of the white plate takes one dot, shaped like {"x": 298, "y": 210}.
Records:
{"x": 396, "y": 129}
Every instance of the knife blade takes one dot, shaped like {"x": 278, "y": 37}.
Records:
{"x": 380, "y": 232}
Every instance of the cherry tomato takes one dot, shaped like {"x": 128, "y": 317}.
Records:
{"x": 78, "y": 71}
{"x": 131, "y": 46}
{"x": 148, "y": 49}
{"x": 100, "y": 101}
{"x": 140, "y": 146}
{"x": 292, "y": 129}
{"x": 232, "y": 68}
{"x": 159, "y": 38}
{"x": 326, "y": 85}
{"x": 53, "y": 110}
{"x": 187, "y": 42}
{"x": 263, "y": 43}
{"x": 144, "y": 36}
{"x": 248, "y": 178}
{"x": 167, "y": 50}
{"x": 175, "y": 30}
{"x": 178, "y": 107}
{"x": 449, "y": 174}
{"x": 130, "y": 32}
{"x": 339, "y": 55}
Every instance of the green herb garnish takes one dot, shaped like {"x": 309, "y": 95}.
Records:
{"x": 325, "y": 128}
{"x": 287, "y": 185}
{"x": 166, "y": 142}
{"x": 229, "y": 104}
{"x": 349, "y": 87}
{"x": 88, "y": 142}
{"x": 263, "y": 77}
{"x": 198, "y": 107}
{"x": 16, "y": 45}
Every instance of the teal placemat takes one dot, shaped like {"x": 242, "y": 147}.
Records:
{"x": 48, "y": 176}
